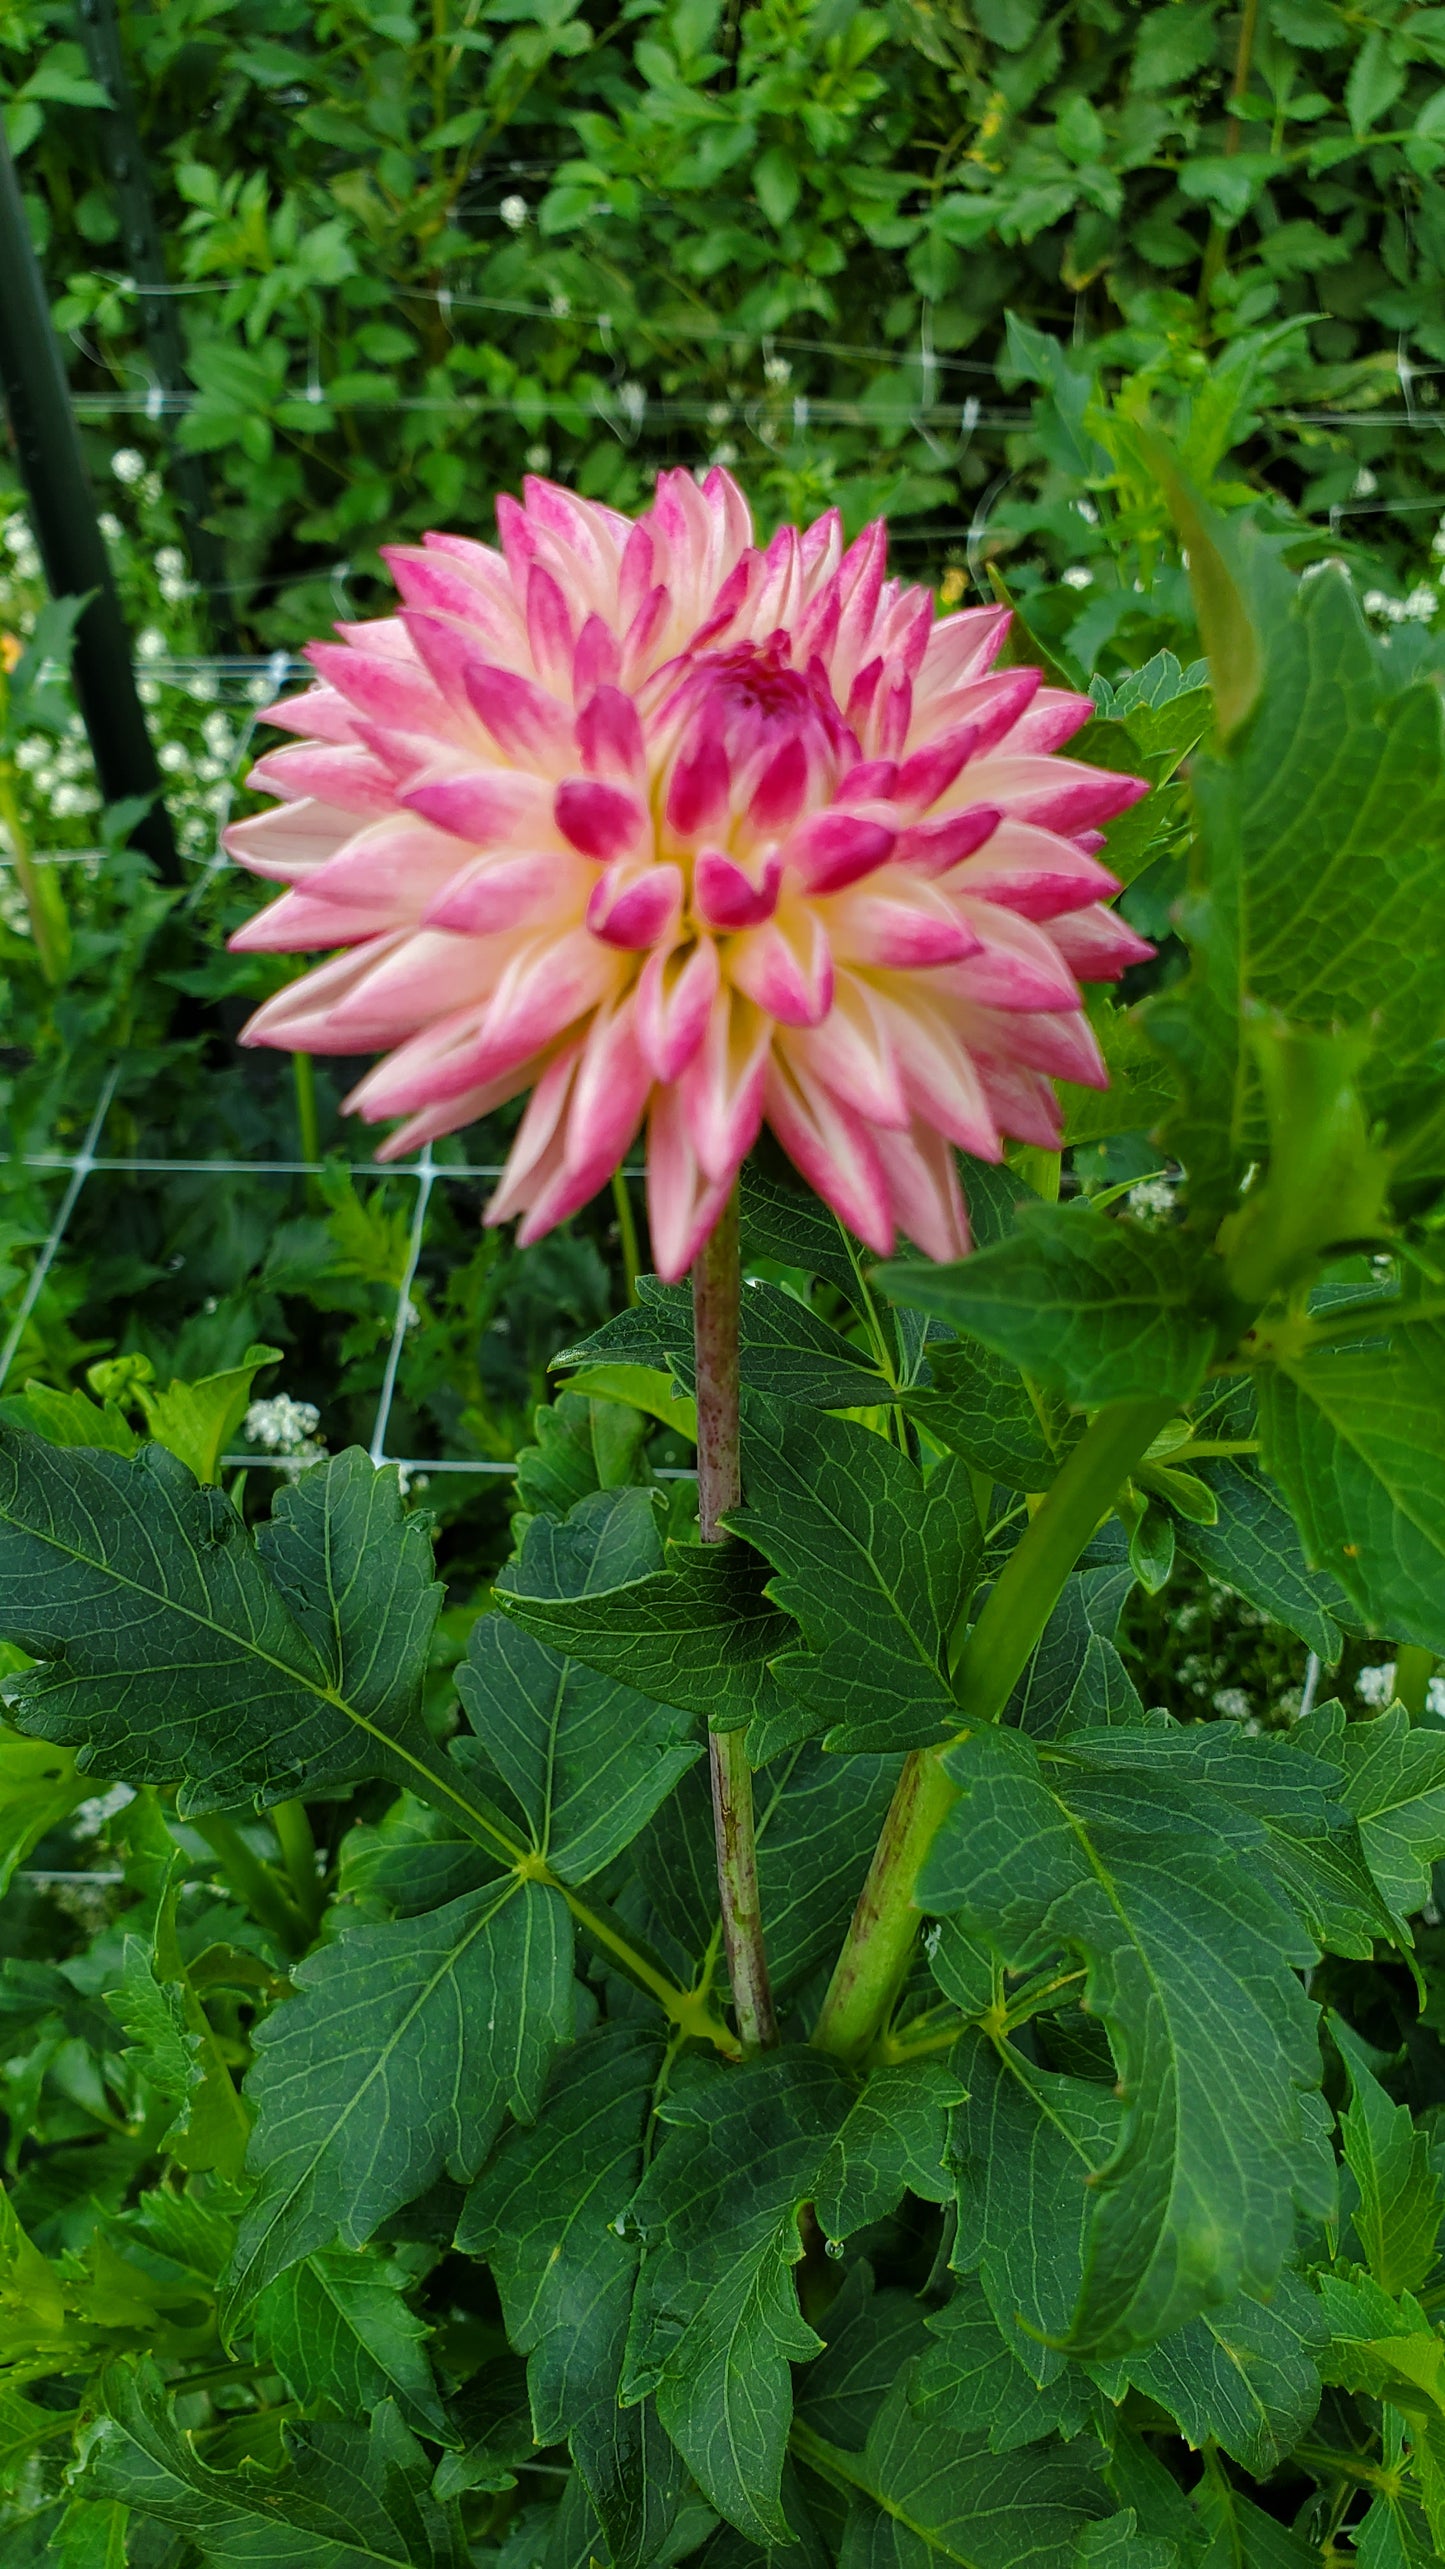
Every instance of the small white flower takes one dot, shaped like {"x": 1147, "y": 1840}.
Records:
{"x": 561, "y": 306}
{"x": 219, "y": 736}
{"x": 170, "y": 561}
{"x": 632, "y": 402}
{"x": 127, "y": 464}
{"x": 1422, "y": 603}
{"x": 208, "y": 769}
{"x": 513, "y": 211}
{"x": 174, "y": 757}
{"x": 1365, "y": 485}
{"x": 150, "y": 643}
{"x": 110, "y": 526}
{"x": 777, "y": 371}
{"x": 151, "y": 487}
{"x": 1376, "y": 1686}
{"x": 148, "y": 690}
{"x": 1233, "y": 1703}
{"x": 175, "y": 589}
{"x": 1152, "y": 1200}
{"x": 538, "y": 458}
{"x": 202, "y": 688}
{"x": 1087, "y": 511}
{"x": 281, "y": 1424}
{"x": 724, "y": 454}
{"x": 259, "y": 691}
{"x": 1078, "y": 576}
{"x": 91, "y": 1817}
{"x": 69, "y": 801}
{"x": 33, "y": 752}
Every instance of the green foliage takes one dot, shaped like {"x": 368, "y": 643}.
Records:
{"x": 385, "y": 2178}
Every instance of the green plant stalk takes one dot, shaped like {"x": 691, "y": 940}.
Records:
{"x": 716, "y": 1302}
{"x": 39, "y": 888}
{"x": 626, "y": 1232}
{"x": 986, "y": 1664}
{"x": 1414, "y": 1668}
{"x": 255, "y": 1883}
{"x": 298, "y": 1851}
{"x": 1219, "y": 229}
{"x": 308, "y": 1128}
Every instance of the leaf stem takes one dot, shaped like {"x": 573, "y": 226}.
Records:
{"x": 626, "y": 1231}
{"x": 263, "y": 1893}
{"x": 298, "y": 1850}
{"x": 1414, "y": 1668}
{"x": 716, "y": 1302}
{"x": 986, "y": 1664}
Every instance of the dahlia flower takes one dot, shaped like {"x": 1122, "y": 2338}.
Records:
{"x": 684, "y": 833}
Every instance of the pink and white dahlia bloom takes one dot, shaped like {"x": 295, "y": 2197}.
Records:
{"x": 680, "y": 832}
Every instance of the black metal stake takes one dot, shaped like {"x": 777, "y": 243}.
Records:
{"x": 72, "y": 548}
{"x": 145, "y": 257}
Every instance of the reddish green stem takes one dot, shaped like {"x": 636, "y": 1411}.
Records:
{"x": 716, "y": 1302}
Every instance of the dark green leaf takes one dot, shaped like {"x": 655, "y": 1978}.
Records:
{"x": 1189, "y": 1962}
{"x": 349, "y": 2498}
{"x": 340, "y": 2332}
{"x": 1101, "y": 1310}
{"x": 1394, "y": 1787}
{"x": 980, "y": 1406}
{"x": 547, "y": 2216}
{"x": 584, "y": 1758}
{"x": 1397, "y": 2218}
{"x": 170, "y": 1651}
{"x": 698, "y": 1633}
{"x": 1356, "y": 1438}
{"x": 923, "y": 2491}
{"x": 395, "y": 2063}
{"x": 786, "y": 1350}
{"x": 974, "y": 2381}
{"x": 871, "y": 1560}
{"x": 716, "y": 2321}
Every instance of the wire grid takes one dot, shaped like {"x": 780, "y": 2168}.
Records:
{"x": 426, "y": 1172}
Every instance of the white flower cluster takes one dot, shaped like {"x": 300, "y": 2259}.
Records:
{"x": 287, "y": 1428}
{"x": 1152, "y": 1201}
{"x": 1376, "y": 1687}
{"x": 513, "y": 211}
{"x": 128, "y": 465}
{"x": 91, "y": 1817}
{"x": 1418, "y": 608}
{"x": 1232, "y": 1704}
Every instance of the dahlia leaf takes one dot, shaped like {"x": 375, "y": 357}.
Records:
{"x": 926, "y": 2490}
{"x": 871, "y": 1560}
{"x": 395, "y": 2063}
{"x": 795, "y": 1227}
{"x": 1126, "y": 1847}
{"x": 1099, "y": 1310}
{"x": 870, "y": 2336}
{"x": 1322, "y": 823}
{"x": 969, "y": 2373}
{"x": 339, "y": 2331}
{"x": 1245, "y": 2376}
{"x": 174, "y": 1649}
{"x": 1076, "y": 1676}
{"x": 584, "y": 1758}
{"x": 699, "y": 1633}
{"x": 1356, "y": 1438}
{"x": 548, "y": 2216}
{"x": 350, "y": 2497}
{"x": 980, "y": 1406}
{"x": 716, "y": 2319}
{"x": 1397, "y": 2218}
{"x": 1394, "y": 1788}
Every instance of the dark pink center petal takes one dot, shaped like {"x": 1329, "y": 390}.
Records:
{"x": 725, "y": 897}
{"x": 600, "y": 820}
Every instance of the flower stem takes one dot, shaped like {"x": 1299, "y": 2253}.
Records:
{"x": 626, "y": 1231}
{"x": 716, "y": 1299}
{"x": 986, "y": 1663}
{"x": 39, "y": 885}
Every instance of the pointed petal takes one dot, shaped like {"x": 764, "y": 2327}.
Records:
{"x": 525, "y": 724}
{"x": 726, "y": 896}
{"x": 600, "y": 820}
{"x": 290, "y": 842}
{"x": 675, "y": 995}
{"x": 490, "y": 807}
{"x": 683, "y": 1203}
{"x": 1097, "y": 944}
{"x": 831, "y": 1146}
{"x": 921, "y": 1175}
{"x": 786, "y": 967}
{"x": 496, "y": 894}
{"x": 349, "y": 778}
{"x": 634, "y": 906}
{"x": 722, "y": 1086}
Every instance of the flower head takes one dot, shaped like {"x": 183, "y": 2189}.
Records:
{"x": 679, "y": 832}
